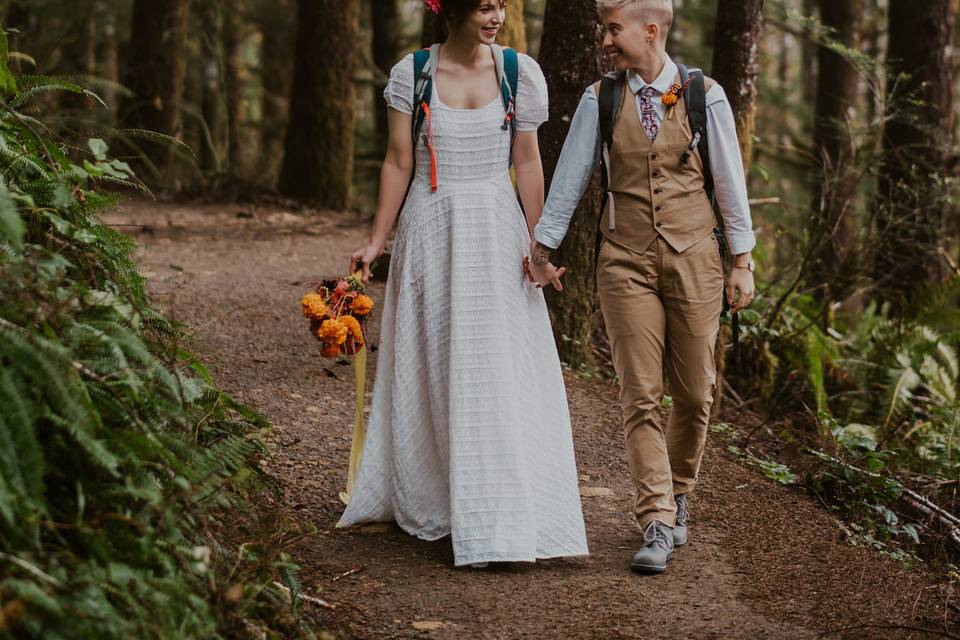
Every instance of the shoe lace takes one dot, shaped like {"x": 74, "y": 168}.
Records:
{"x": 656, "y": 534}
{"x": 683, "y": 512}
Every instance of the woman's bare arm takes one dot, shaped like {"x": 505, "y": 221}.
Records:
{"x": 395, "y": 176}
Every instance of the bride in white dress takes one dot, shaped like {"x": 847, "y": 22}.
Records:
{"x": 469, "y": 432}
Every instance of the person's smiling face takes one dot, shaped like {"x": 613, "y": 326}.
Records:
{"x": 485, "y": 22}
{"x": 628, "y": 38}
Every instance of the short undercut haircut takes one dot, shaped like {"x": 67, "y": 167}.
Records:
{"x": 658, "y": 11}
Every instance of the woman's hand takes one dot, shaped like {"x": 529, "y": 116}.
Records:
{"x": 365, "y": 257}
{"x": 543, "y": 274}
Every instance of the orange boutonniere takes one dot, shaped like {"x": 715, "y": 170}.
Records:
{"x": 672, "y": 97}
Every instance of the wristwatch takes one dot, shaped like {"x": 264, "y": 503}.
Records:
{"x": 750, "y": 266}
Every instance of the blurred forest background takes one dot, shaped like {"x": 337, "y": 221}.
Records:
{"x": 847, "y": 118}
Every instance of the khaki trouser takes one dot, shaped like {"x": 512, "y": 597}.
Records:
{"x": 662, "y": 311}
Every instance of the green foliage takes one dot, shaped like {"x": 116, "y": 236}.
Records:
{"x": 119, "y": 459}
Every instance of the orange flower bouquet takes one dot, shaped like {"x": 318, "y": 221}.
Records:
{"x": 338, "y": 311}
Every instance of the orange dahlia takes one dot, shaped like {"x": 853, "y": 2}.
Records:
{"x": 353, "y": 325}
{"x": 362, "y": 305}
{"x": 314, "y": 306}
{"x": 333, "y": 332}
{"x": 670, "y": 98}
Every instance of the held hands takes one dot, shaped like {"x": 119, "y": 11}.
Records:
{"x": 543, "y": 274}
{"x": 364, "y": 257}
{"x": 538, "y": 268}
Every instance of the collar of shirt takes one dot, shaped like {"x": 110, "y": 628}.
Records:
{"x": 663, "y": 82}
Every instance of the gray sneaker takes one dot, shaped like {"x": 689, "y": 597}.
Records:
{"x": 656, "y": 551}
{"x": 680, "y": 526}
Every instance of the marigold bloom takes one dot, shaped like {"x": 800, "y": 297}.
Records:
{"x": 669, "y": 99}
{"x": 353, "y": 325}
{"x": 333, "y": 332}
{"x": 330, "y": 351}
{"x": 362, "y": 305}
{"x": 314, "y": 306}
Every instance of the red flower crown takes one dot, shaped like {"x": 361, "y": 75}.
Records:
{"x": 433, "y": 5}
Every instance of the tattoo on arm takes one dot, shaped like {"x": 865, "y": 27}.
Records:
{"x": 541, "y": 254}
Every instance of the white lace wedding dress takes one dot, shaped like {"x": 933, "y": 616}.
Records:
{"x": 469, "y": 433}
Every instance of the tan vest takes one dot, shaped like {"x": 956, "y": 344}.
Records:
{"x": 650, "y": 190}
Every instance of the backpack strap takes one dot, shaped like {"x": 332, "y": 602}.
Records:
{"x": 609, "y": 97}
{"x": 695, "y": 96}
{"x": 611, "y": 90}
{"x": 508, "y": 71}
{"x": 424, "y": 65}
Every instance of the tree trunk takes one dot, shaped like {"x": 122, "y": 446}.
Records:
{"x": 385, "y": 19}
{"x": 277, "y": 23}
{"x": 808, "y": 52}
{"x": 107, "y": 53}
{"x": 513, "y": 33}
{"x": 917, "y": 139}
{"x": 735, "y": 62}
{"x": 233, "y": 72}
{"x": 832, "y": 225}
{"x": 735, "y": 68}
{"x": 571, "y": 60}
{"x": 212, "y": 107}
{"x": 19, "y": 17}
{"x": 318, "y": 159}
{"x": 156, "y": 72}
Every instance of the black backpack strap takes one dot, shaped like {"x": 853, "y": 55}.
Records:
{"x": 611, "y": 88}
{"x": 695, "y": 97}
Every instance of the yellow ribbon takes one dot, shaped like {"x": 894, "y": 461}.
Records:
{"x": 359, "y": 424}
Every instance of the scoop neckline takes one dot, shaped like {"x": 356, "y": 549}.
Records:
{"x": 436, "y": 92}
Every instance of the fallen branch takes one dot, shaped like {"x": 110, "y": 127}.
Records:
{"x": 917, "y": 501}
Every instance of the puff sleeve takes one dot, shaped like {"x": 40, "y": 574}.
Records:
{"x": 532, "y": 104}
{"x": 399, "y": 90}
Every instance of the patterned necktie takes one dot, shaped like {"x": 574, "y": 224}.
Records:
{"x": 648, "y": 115}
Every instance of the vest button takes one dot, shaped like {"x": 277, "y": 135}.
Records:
{"x": 658, "y": 190}
{"x": 653, "y": 157}
{"x": 657, "y": 208}
{"x": 659, "y": 224}
{"x": 655, "y": 174}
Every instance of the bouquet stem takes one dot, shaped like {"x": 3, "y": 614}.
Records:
{"x": 359, "y": 424}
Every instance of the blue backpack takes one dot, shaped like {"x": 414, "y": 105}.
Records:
{"x": 424, "y": 65}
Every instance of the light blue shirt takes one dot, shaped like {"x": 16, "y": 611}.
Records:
{"x": 581, "y": 153}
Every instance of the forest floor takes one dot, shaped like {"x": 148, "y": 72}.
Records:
{"x": 764, "y": 561}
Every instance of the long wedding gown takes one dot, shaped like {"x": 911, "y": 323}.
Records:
{"x": 469, "y": 432}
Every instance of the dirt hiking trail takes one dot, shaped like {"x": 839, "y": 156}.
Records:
{"x": 764, "y": 561}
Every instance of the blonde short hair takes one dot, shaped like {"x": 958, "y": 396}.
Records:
{"x": 659, "y": 11}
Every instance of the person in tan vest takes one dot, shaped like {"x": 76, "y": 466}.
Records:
{"x": 659, "y": 274}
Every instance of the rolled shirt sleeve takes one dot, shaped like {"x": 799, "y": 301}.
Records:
{"x": 726, "y": 165}
{"x": 578, "y": 159}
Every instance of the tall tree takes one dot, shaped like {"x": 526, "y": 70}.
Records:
{"x": 276, "y": 21}
{"x": 318, "y": 157}
{"x": 832, "y": 225}
{"x": 735, "y": 68}
{"x": 156, "y": 70}
{"x": 513, "y": 33}
{"x": 385, "y": 20}
{"x": 808, "y": 54}
{"x": 212, "y": 107}
{"x": 107, "y": 55}
{"x": 570, "y": 56}
{"x": 910, "y": 213}
{"x": 736, "y": 39}
{"x": 234, "y": 34}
